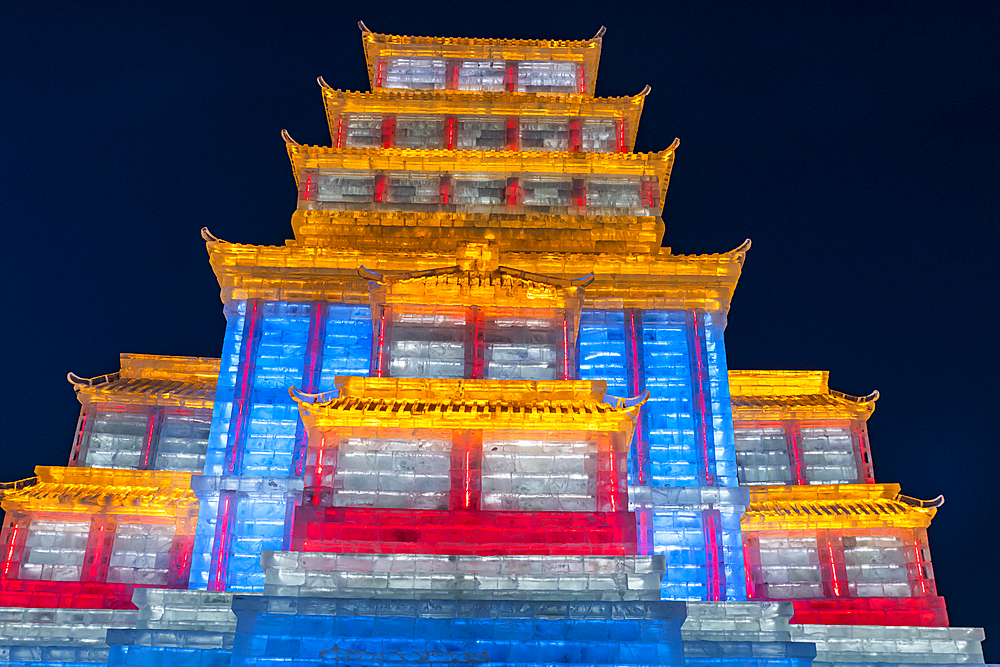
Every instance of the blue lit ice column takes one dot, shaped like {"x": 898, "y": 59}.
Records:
{"x": 253, "y": 467}
{"x": 684, "y": 438}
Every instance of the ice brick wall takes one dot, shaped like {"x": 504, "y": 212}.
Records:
{"x": 257, "y": 443}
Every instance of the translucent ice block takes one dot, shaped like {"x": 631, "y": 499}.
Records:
{"x": 413, "y": 576}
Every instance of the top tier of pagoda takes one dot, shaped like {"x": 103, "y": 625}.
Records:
{"x": 476, "y": 140}
{"x": 482, "y": 65}
{"x": 441, "y": 154}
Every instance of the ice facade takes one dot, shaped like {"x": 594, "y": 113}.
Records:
{"x": 472, "y": 413}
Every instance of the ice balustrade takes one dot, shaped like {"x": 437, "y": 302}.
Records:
{"x": 835, "y": 564}
{"x": 143, "y": 437}
{"x": 462, "y": 192}
{"x": 481, "y": 133}
{"x": 409, "y": 576}
{"x": 481, "y": 75}
{"x": 801, "y": 452}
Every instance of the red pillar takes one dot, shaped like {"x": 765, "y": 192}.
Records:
{"x": 100, "y": 542}
{"x": 466, "y": 469}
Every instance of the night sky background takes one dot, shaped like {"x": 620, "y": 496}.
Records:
{"x": 854, "y": 143}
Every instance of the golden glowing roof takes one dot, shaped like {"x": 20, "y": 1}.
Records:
{"x": 825, "y": 507}
{"x": 147, "y": 379}
{"x": 378, "y": 47}
{"x": 89, "y": 490}
{"x": 621, "y": 280}
{"x": 440, "y": 231}
{"x": 468, "y": 404}
{"x": 460, "y": 103}
{"x": 437, "y": 161}
{"x": 777, "y": 395}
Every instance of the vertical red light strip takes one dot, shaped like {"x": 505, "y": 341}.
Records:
{"x": 828, "y": 559}
{"x": 388, "y": 131}
{"x": 475, "y": 343}
{"x": 613, "y": 470}
{"x": 379, "y": 188}
{"x": 919, "y": 560}
{"x": 513, "y": 191}
{"x": 339, "y": 137}
{"x": 715, "y": 573}
{"x": 74, "y": 456}
{"x": 467, "y": 481}
{"x": 581, "y": 79}
{"x": 318, "y": 475}
{"x": 700, "y": 388}
{"x": 309, "y": 187}
{"x": 833, "y": 570}
{"x": 444, "y": 189}
{"x": 9, "y": 559}
{"x": 221, "y": 546}
{"x": 510, "y": 77}
{"x": 312, "y": 369}
{"x": 100, "y": 542}
{"x": 575, "y": 136}
{"x": 712, "y": 547}
{"x": 620, "y": 145}
{"x": 748, "y": 570}
{"x": 862, "y": 452}
{"x": 565, "y": 349}
{"x": 513, "y": 133}
{"x": 465, "y": 470}
{"x": 793, "y": 440}
{"x": 242, "y": 399}
{"x": 449, "y": 133}
{"x": 380, "y": 349}
{"x": 644, "y": 547}
{"x": 380, "y": 74}
{"x": 636, "y": 389}
{"x": 147, "y": 444}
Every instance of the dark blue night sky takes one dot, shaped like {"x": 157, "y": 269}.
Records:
{"x": 854, "y": 143}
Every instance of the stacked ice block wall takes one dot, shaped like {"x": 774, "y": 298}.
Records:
{"x": 253, "y": 471}
{"x": 472, "y": 413}
{"x": 684, "y": 438}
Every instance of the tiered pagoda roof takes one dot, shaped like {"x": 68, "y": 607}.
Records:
{"x": 833, "y": 507}
{"x": 793, "y": 395}
{"x": 132, "y": 492}
{"x": 153, "y": 380}
{"x": 491, "y": 404}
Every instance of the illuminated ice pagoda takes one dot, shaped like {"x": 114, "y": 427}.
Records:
{"x": 472, "y": 413}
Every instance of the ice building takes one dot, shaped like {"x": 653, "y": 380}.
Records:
{"x": 472, "y": 413}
